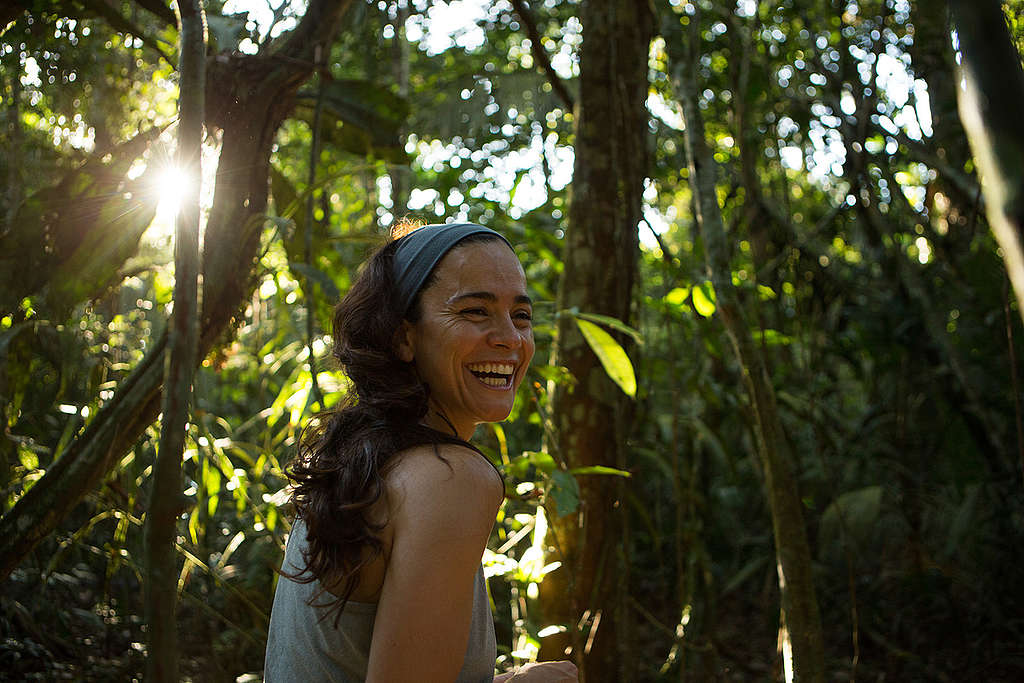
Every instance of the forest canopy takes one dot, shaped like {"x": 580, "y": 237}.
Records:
{"x": 773, "y": 428}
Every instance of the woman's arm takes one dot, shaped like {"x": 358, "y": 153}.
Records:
{"x": 441, "y": 514}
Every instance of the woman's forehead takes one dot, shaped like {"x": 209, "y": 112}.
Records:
{"x": 480, "y": 266}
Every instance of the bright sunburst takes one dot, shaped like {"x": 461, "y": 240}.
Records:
{"x": 173, "y": 184}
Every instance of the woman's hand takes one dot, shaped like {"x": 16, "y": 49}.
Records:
{"x": 541, "y": 672}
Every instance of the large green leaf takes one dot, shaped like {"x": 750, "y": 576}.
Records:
{"x": 613, "y": 323}
{"x": 612, "y": 356}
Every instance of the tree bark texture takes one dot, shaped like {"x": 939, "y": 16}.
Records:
{"x": 800, "y": 618}
{"x": 179, "y": 367}
{"x": 592, "y": 418}
{"x": 247, "y": 97}
{"x": 991, "y": 99}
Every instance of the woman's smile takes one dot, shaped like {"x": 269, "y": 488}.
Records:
{"x": 493, "y": 375}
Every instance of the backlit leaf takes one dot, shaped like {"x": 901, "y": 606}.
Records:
{"x": 600, "y": 469}
{"x": 612, "y": 356}
{"x": 704, "y": 299}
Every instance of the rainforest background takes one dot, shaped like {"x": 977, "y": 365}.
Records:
{"x": 773, "y": 431}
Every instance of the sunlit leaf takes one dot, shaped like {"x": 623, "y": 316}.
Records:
{"x": 678, "y": 296}
{"x": 613, "y": 323}
{"x": 600, "y": 469}
{"x": 704, "y": 299}
{"x": 520, "y": 465}
{"x": 612, "y": 356}
{"x": 559, "y": 374}
{"x": 772, "y": 338}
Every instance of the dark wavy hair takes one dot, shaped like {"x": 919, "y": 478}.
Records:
{"x": 345, "y": 454}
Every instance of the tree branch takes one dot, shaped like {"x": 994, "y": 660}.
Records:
{"x": 990, "y": 104}
{"x": 540, "y": 55}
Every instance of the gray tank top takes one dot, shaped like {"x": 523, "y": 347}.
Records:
{"x": 301, "y": 648}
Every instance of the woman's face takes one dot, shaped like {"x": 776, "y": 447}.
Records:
{"x": 474, "y": 337}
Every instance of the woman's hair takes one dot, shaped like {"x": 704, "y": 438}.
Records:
{"x": 344, "y": 455}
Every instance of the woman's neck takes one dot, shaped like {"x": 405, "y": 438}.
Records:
{"x": 436, "y": 419}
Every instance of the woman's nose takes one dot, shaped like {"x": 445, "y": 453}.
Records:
{"x": 504, "y": 333}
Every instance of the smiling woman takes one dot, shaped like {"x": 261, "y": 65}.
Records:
{"x": 381, "y": 579}
{"x": 471, "y": 337}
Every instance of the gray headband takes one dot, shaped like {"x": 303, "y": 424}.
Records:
{"x": 419, "y": 252}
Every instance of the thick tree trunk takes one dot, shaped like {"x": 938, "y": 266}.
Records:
{"x": 183, "y": 333}
{"x": 991, "y": 101}
{"x": 248, "y": 97}
{"x": 800, "y": 623}
{"x": 592, "y": 419}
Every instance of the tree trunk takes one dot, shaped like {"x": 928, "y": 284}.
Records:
{"x": 15, "y": 186}
{"x": 800, "y": 621}
{"x": 183, "y": 332}
{"x": 991, "y": 102}
{"x": 401, "y": 175}
{"x": 248, "y": 97}
{"x": 591, "y": 419}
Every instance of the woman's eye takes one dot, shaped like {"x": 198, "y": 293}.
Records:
{"x": 524, "y": 315}
{"x": 474, "y": 311}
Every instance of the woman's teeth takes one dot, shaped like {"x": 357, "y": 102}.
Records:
{"x": 493, "y": 374}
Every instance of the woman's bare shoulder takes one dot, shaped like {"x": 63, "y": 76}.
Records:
{"x": 444, "y": 475}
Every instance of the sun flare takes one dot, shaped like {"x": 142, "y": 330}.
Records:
{"x": 173, "y": 185}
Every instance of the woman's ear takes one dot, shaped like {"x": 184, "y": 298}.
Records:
{"x": 404, "y": 347}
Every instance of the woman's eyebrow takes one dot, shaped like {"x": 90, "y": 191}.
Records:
{"x": 489, "y": 296}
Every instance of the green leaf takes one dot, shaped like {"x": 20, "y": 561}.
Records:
{"x": 677, "y": 297}
{"x": 559, "y": 374}
{"x": 521, "y": 464}
{"x": 600, "y": 469}
{"x": 772, "y": 338}
{"x": 704, "y": 299}
{"x": 565, "y": 492}
{"x": 612, "y": 356}
{"x": 613, "y": 323}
